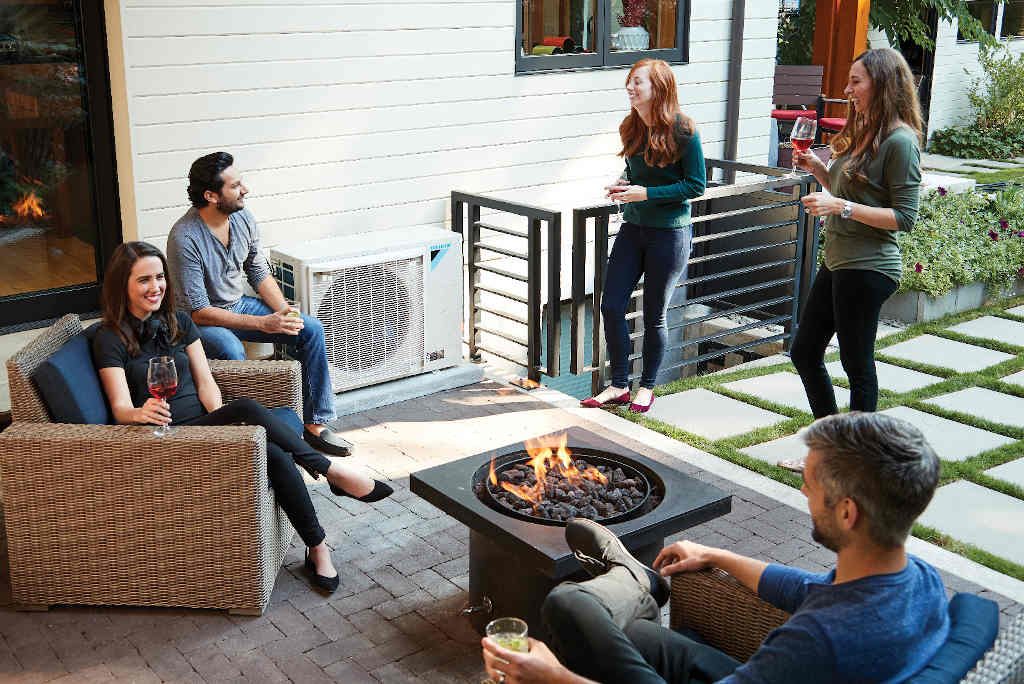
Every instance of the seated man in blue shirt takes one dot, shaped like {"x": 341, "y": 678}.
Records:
{"x": 879, "y": 616}
{"x": 208, "y": 251}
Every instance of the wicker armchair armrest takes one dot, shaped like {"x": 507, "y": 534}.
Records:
{"x": 272, "y": 383}
{"x": 116, "y": 515}
{"x": 1004, "y": 662}
{"x": 725, "y": 613}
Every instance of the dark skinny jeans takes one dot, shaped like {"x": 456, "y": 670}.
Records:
{"x": 845, "y": 302}
{"x": 285, "y": 449}
{"x": 659, "y": 255}
{"x": 603, "y": 632}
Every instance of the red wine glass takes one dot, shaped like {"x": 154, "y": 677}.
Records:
{"x": 163, "y": 384}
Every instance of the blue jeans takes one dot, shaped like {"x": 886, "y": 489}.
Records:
{"x": 659, "y": 255}
{"x": 308, "y": 347}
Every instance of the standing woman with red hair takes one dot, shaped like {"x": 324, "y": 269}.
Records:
{"x": 664, "y": 171}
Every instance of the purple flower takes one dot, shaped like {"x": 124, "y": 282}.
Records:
{"x": 918, "y": 267}
{"x": 1020, "y": 233}
{"x": 1020, "y": 273}
{"x": 994, "y": 235}
{"x": 942, "y": 191}
{"x": 1004, "y": 224}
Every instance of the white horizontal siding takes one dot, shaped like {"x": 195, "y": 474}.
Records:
{"x": 956, "y": 70}
{"x": 358, "y": 115}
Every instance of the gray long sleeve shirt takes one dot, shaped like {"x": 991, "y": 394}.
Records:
{"x": 206, "y": 273}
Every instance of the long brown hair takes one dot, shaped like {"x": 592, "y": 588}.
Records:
{"x": 116, "y": 314}
{"x": 893, "y": 100}
{"x": 660, "y": 143}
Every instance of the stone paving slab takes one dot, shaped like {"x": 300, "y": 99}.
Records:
{"x": 783, "y": 388}
{"x": 943, "y": 353}
{"x": 893, "y": 378}
{"x": 1015, "y": 379}
{"x": 884, "y": 330}
{"x": 1017, "y": 310}
{"x": 1012, "y": 472}
{"x": 983, "y": 403}
{"x": 952, "y": 441}
{"x": 985, "y": 518}
{"x": 993, "y": 328}
{"x": 787, "y": 448}
{"x": 403, "y": 567}
{"x": 711, "y": 415}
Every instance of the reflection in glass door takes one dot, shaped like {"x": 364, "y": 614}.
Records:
{"x": 49, "y": 215}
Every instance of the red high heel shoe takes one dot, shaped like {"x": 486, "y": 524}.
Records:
{"x": 640, "y": 408}
{"x": 622, "y": 399}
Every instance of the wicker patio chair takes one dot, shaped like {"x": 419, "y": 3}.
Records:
{"x": 113, "y": 515}
{"x": 733, "y": 619}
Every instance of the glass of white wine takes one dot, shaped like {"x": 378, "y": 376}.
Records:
{"x": 293, "y": 308}
{"x": 510, "y": 633}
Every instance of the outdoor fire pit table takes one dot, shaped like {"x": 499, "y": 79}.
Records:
{"x": 517, "y": 557}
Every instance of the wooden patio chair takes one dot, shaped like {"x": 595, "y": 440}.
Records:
{"x": 734, "y": 620}
{"x": 796, "y": 87}
{"x": 114, "y": 515}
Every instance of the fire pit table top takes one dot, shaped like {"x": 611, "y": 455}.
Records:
{"x": 687, "y": 502}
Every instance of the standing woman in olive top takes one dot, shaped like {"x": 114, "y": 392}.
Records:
{"x": 873, "y": 184}
{"x": 139, "y": 323}
{"x": 664, "y": 171}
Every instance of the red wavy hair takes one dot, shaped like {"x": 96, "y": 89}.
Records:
{"x": 660, "y": 141}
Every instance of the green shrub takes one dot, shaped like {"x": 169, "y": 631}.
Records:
{"x": 997, "y": 99}
{"x": 964, "y": 238}
{"x": 796, "y": 35}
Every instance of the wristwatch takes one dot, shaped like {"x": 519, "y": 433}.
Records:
{"x": 847, "y": 211}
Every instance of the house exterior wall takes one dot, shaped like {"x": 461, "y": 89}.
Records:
{"x": 364, "y": 116}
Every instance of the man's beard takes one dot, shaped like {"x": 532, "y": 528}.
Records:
{"x": 228, "y": 209}
{"x": 827, "y": 540}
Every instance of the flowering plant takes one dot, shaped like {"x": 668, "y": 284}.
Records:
{"x": 633, "y": 12}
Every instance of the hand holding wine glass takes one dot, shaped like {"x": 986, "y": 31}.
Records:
{"x": 162, "y": 379}
{"x": 802, "y": 135}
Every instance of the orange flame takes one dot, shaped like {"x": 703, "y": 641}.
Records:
{"x": 28, "y": 206}
{"x": 548, "y": 456}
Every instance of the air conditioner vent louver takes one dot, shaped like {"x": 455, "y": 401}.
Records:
{"x": 373, "y": 320}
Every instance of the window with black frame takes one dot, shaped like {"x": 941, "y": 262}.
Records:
{"x": 1013, "y": 19}
{"x": 985, "y": 11}
{"x": 567, "y": 34}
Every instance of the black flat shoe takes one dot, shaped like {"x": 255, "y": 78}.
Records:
{"x": 380, "y": 491}
{"x": 327, "y": 584}
{"x": 328, "y": 442}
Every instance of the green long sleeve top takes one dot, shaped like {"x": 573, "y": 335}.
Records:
{"x": 894, "y": 182}
{"x": 669, "y": 188}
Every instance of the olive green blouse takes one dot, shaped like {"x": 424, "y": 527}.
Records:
{"x": 894, "y": 181}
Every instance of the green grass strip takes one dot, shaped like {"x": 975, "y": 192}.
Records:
{"x": 970, "y": 551}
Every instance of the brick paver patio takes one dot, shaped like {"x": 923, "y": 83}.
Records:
{"x": 403, "y": 566}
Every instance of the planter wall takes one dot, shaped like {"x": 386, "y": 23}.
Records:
{"x": 914, "y": 306}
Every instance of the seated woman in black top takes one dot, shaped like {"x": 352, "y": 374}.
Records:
{"x": 140, "y": 322}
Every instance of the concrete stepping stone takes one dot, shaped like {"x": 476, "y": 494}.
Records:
{"x": 884, "y": 330}
{"x": 938, "y": 351}
{"x": 1017, "y": 310}
{"x": 790, "y": 448}
{"x": 980, "y": 516}
{"x": 993, "y": 328}
{"x": 1012, "y": 472}
{"x": 890, "y": 377}
{"x": 952, "y": 441}
{"x": 783, "y": 388}
{"x": 1015, "y": 379}
{"x": 983, "y": 403}
{"x": 711, "y": 415}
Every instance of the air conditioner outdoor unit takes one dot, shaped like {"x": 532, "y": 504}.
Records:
{"x": 390, "y": 301}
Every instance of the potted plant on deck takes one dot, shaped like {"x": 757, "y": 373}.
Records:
{"x": 633, "y": 35}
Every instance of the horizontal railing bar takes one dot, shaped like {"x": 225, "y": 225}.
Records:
{"x": 736, "y": 252}
{"x": 741, "y": 231}
{"x": 503, "y": 205}
{"x": 503, "y": 293}
{"x": 503, "y": 314}
{"x": 740, "y": 290}
{"x": 502, "y": 272}
{"x": 731, "y": 331}
{"x": 502, "y": 250}
{"x": 736, "y": 271}
{"x": 502, "y": 229}
{"x": 703, "y": 218}
{"x": 731, "y": 349}
{"x": 503, "y": 335}
{"x": 732, "y": 312}
{"x": 501, "y": 355}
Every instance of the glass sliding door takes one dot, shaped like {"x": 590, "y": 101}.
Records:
{"x": 58, "y": 206}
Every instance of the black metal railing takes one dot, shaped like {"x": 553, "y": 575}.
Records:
{"x": 478, "y": 239}
{"x": 754, "y": 254}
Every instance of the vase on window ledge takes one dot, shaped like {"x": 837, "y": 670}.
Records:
{"x": 634, "y": 38}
